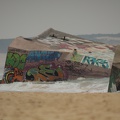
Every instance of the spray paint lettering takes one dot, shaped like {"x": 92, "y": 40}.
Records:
{"x": 45, "y": 73}
{"x": 15, "y": 60}
{"x": 43, "y": 55}
{"x": 96, "y": 62}
{"x": 13, "y": 75}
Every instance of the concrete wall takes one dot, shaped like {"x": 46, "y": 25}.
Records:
{"x": 22, "y": 65}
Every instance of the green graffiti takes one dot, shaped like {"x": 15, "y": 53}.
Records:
{"x": 15, "y": 60}
{"x": 46, "y": 68}
{"x": 9, "y": 60}
{"x": 45, "y": 73}
{"x": 22, "y": 61}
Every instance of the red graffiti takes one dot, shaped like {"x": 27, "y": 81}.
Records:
{"x": 14, "y": 75}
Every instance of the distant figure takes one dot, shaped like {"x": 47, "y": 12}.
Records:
{"x": 53, "y": 36}
{"x": 74, "y": 52}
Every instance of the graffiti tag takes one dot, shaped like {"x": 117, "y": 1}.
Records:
{"x": 43, "y": 55}
{"x": 44, "y": 73}
{"x": 13, "y": 75}
{"x": 96, "y": 62}
{"x": 15, "y": 60}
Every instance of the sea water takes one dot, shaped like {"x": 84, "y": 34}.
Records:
{"x": 91, "y": 85}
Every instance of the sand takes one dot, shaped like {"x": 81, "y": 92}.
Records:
{"x": 59, "y": 106}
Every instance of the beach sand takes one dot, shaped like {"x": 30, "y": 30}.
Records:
{"x": 59, "y": 106}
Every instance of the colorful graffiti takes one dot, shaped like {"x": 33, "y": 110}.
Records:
{"x": 15, "y": 67}
{"x": 46, "y": 66}
{"x": 43, "y": 55}
{"x": 13, "y": 75}
{"x": 45, "y": 73}
{"x": 15, "y": 60}
{"x": 97, "y": 62}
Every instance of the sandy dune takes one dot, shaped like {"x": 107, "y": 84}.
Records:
{"x": 59, "y": 106}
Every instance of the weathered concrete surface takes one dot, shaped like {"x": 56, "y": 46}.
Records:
{"x": 54, "y": 55}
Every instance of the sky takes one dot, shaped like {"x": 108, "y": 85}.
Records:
{"x": 29, "y": 18}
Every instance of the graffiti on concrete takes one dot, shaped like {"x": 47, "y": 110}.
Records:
{"x": 46, "y": 66}
{"x": 77, "y": 67}
{"x": 46, "y": 72}
{"x": 43, "y": 55}
{"x": 13, "y": 75}
{"x": 97, "y": 62}
{"x": 15, "y": 60}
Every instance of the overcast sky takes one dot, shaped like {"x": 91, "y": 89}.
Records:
{"x": 29, "y": 18}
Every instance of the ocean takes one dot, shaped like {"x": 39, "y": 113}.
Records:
{"x": 90, "y": 85}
